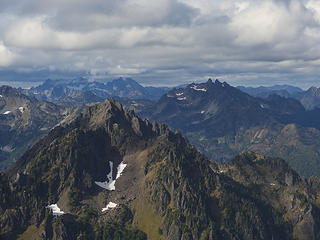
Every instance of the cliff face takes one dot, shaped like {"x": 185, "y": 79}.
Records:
{"x": 115, "y": 176}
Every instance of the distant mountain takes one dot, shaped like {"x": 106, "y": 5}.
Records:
{"x": 76, "y": 98}
{"x": 23, "y": 120}
{"x": 142, "y": 107}
{"x": 196, "y": 105}
{"x": 263, "y": 92}
{"x": 311, "y": 98}
{"x": 223, "y": 121}
{"x": 111, "y": 175}
{"x": 156, "y": 92}
{"x": 54, "y": 90}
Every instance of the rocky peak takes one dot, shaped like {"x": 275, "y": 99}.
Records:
{"x": 99, "y": 113}
{"x": 311, "y": 98}
{"x": 10, "y": 92}
{"x": 314, "y": 91}
{"x": 7, "y": 89}
{"x": 110, "y": 114}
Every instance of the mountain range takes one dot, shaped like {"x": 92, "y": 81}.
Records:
{"x": 310, "y": 98}
{"x": 223, "y": 121}
{"x": 110, "y": 175}
{"x": 264, "y": 92}
{"x": 216, "y": 117}
{"x": 55, "y": 90}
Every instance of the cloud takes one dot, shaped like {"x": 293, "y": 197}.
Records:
{"x": 36, "y": 33}
{"x": 262, "y": 23}
{"x": 6, "y": 56}
{"x": 165, "y": 41}
{"x": 314, "y": 7}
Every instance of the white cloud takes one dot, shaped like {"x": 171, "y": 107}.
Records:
{"x": 36, "y": 33}
{"x": 6, "y": 56}
{"x": 263, "y": 22}
{"x": 314, "y": 6}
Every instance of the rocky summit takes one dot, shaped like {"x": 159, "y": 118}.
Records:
{"x": 110, "y": 175}
{"x": 311, "y": 98}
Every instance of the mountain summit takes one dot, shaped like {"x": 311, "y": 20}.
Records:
{"x": 311, "y": 98}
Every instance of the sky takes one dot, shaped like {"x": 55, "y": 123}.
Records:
{"x": 163, "y": 42}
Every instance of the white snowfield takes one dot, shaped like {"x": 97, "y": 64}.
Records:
{"x": 109, "y": 184}
{"x": 21, "y": 109}
{"x": 55, "y": 210}
{"x": 198, "y": 89}
{"x": 202, "y": 112}
{"x": 1, "y": 96}
{"x": 110, "y": 205}
{"x": 179, "y": 94}
{"x": 181, "y": 98}
{"x": 7, "y": 112}
{"x": 120, "y": 169}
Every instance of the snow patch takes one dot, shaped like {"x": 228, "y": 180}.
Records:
{"x": 55, "y": 210}
{"x": 109, "y": 184}
{"x": 120, "y": 169}
{"x": 181, "y": 98}
{"x": 21, "y": 109}
{"x": 7, "y": 112}
{"x": 110, "y": 205}
{"x": 1, "y": 96}
{"x": 202, "y": 112}
{"x": 179, "y": 94}
{"x": 272, "y": 184}
{"x": 198, "y": 89}
{"x": 261, "y": 106}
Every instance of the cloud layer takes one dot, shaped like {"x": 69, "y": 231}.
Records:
{"x": 166, "y": 42}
